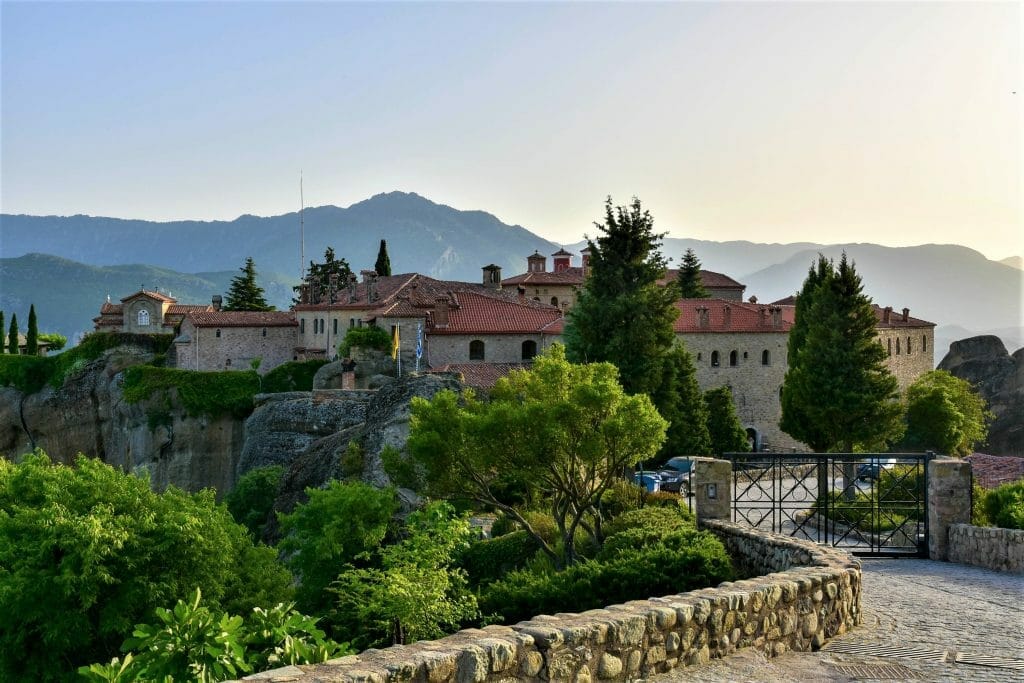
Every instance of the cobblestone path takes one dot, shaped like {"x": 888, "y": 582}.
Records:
{"x": 923, "y": 621}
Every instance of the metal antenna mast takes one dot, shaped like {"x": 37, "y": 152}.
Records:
{"x": 302, "y": 231}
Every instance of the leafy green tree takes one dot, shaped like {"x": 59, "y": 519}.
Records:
{"x": 53, "y": 340}
{"x": 12, "y": 335}
{"x": 623, "y": 316}
{"x": 383, "y": 265}
{"x": 318, "y": 277}
{"x": 566, "y": 430}
{"x": 727, "y": 433}
{"x": 252, "y": 499}
{"x": 88, "y": 551}
{"x": 837, "y": 394}
{"x": 32, "y": 335}
{"x": 944, "y": 413}
{"x": 679, "y": 401}
{"x": 336, "y": 526}
{"x": 244, "y": 294}
{"x": 417, "y": 593}
{"x": 691, "y": 286}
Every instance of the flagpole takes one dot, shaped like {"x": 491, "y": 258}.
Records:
{"x": 398, "y": 346}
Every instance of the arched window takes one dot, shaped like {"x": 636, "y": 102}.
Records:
{"x": 321, "y": 325}
{"x": 476, "y": 350}
{"x": 264, "y": 332}
{"x": 714, "y": 359}
{"x": 529, "y": 349}
{"x": 554, "y": 301}
{"x": 536, "y": 298}
{"x": 335, "y": 326}
{"x": 888, "y": 343}
{"x": 700, "y": 356}
{"x": 924, "y": 342}
{"x": 897, "y": 346}
{"x": 766, "y": 357}
{"x": 218, "y": 333}
{"x": 302, "y": 325}
{"x": 143, "y": 318}
{"x": 734, "y": 358}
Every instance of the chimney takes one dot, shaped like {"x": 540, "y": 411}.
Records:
{"x": 776, "y": 316}
{"x": 886, "y": 314}
{"x": 727, "y": 315}
{"x": 521, "y": 291}
{"x": 561, "y": 260}
{"x": 367, "y": 275}
{"x": 441, "y": 311}
{"x": 217, "y": 302}
{"x": 764, "y": 316}
{"x": 585, "y": 253}
{"x": 906, "y": 314}
{"x": 703, "y": 319}
{"x": 535, "y": 263}
{"x": 492, "y": 276}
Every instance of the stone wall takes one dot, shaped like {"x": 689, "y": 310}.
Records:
{"x": 814, "y": 598}
{"x": 454, "y": 348}
{"x": 998, "y": 549}
{"x": 912, "y": 356}
{"x": 234, "y": 348}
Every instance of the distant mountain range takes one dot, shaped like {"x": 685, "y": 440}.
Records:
{"x": 68, "y": 265}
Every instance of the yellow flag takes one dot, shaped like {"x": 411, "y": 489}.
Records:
{"x": 395, "y": 342}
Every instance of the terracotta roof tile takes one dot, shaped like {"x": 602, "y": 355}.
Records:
{"x": 242, "y": 319}
{"x": 151, "y": 295}
{"x": 569, "y": 276}
{"x": 182, "y": 309}
{"x": 730, "y": 316}
{"x": 994, "y": 470}
{"x": 709, "y": 278}
{"x": 478, "y": 313}
{"x": 896, "y": 319}
{"x": 481, "y": 375}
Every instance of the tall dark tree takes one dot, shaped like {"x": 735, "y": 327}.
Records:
{"x": 383, "y": 265}
{"x": 838, "y": 394}
{"x": 3, "y": 347}
{"x": 12, "y": 335}
{"x": 727, "y": 433}
{"x": 679, "y": 401}
{"x": 318, "y": 278}
{"x": 690, "y": 284}
{"x": 32, "y": 336}
{"x": 622, "y": 315}
{"x": 244, "y": 294}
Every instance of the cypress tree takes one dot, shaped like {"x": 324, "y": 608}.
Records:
{"x": 679, "y": 401}
{"x": 12, "y": 335}
{"x": 727, "y": 433}
{"x": 383, "y": 265}
{"x": 3, "y": 347}
{"x": 32, "y": 336}
{"x": 689, "y": 281}
{"x": 244, "y": 294}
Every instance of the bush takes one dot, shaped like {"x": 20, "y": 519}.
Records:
{"x": 488, "y": 560}
{"x": 623, "y": 495}
{"x": 212, "y": 394}
{"x": 663, "y": 499}
{"x": 979, "y": 517}
{"x": 1004, "y": 505}
{"x": 292, "y": 376}
{"x": 252, "y": 499}
{"x": 503, "y": 524}
{"x": 371, "y": 337}
{"x": 682, "y": 561}
{"x": 88, "y": 551}
{"x": 663, "y": 520}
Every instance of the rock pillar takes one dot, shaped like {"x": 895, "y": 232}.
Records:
{"x": 711, "y": 483}
{"x": 949, "y": 502}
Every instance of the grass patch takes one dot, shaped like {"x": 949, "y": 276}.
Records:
{"x": 201, "y": 393}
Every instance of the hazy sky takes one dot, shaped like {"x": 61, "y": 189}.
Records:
{"x": 895, "y": 123}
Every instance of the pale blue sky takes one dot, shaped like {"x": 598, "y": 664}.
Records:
{"x": 894, "y": 123}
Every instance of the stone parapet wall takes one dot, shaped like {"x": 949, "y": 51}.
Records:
{"x": 998, "y": 549}
{"x": 815, "y": 597}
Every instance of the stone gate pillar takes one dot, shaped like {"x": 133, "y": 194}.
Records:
{"x": 949, "y": 502}
{"x": 711, "y": 483}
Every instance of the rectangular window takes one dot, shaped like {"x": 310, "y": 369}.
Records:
{"x": 335, "y": 326}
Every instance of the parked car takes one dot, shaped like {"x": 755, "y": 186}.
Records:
{"x": 675, "y": 475}
{"x": 872, "y": 470}
{"x": 651, "y": 481}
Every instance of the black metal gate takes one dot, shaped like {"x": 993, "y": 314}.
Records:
{"x": 871, "y": 504}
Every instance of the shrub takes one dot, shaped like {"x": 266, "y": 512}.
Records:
{"x": 371, "y": 337}
{"x": 1004, "y": 505}
{"x": 292, "y": 376}
{"x": 352, "y": 461}
{"x": 663, "y": 499}
{"x": 663, "y": 520}
{"x": 979, "y": 517}
{"x": 88, "y": 551}
{"x": 212, "y": 394}
{"x": 682, "y": 561}
{"x": 487, "y": 560}
{"x": 502, "y": 525}
{"x": 623, "y": 495}
{"x": 252, "y": 499}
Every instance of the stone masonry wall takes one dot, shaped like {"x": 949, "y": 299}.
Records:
{"x": 908, "y": 366}
{"x": 454, "y": 348}
{"x": 998, "y": 549}
{"x": 239, "y": 345}
{"x": 815, "y": 597}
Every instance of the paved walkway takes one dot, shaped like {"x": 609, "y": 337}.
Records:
{"x": 923, "y": 621}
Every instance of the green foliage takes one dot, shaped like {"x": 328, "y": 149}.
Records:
{"x": 566, "y": 430}
{"x": 945, "y": 414}
{"x": 503, "y": 524}
{"x": 681, "y": 561}
{"x": 3, "y": 347}
{"x": 838, "y": 394}
{"x": 53, "y": 341}
{"x": 352, "y": 461}
{"x": 88, "y": 551}
{"x": 371, "y": 337}
{"x": 1004, "y": 505}
{"x": 318, "y": 276}
{"x": 680, "y": 401}
{"x": 252, "y": 499}
{"x": 979, "y": 517}
{"x": 244, "y": 294}
{"x": 661, "y": 520}
{"x": 32, "y": 335}
{"x": 12, "y": 336}
{"x": 727, "y": 433}
{"x": 668, "y": 499}
{"x": 292, "y": 376}
{"x": 622, "y": 496}
{"x": 201, "y": 393}
{"x": 383, "y": 264}
{"x": 489, "y": 559}
{"x": 690, "y": 284}
{"x": 416, "y": 593}
{"x": 336, "y": 526}
{"x": 27, "y": 374}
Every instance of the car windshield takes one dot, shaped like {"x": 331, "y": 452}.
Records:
{"x": 679, "y": 464}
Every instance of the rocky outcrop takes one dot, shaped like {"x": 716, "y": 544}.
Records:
{"x": 999, "y": 378}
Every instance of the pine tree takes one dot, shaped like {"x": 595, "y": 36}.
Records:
{"x": 689, "y": 281}
{"x": 244, "y": 294}
{"x": 12, "y": 335}
{"x": 679, "y": 401}
{"x": 32, "y": 336}
{"x": 838, "y": 394}
{"x": 622, "y": 315}
{"x": 727, "y": 433}
{"x": 383, "y": 265}
{"x": 318, "y": 277}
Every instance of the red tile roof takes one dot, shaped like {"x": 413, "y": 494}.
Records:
{"x": 151, "y": 295}
{"x": 896, "y": 319}
{"x": 182, "y": 309}
{"x": 709, "y": 278}
{"x": 480, "y": 313}
{"x": 242, "y": 319}
{"x": 730, "y": 316}
{"x": 570, "y": 276}
{"x": 481, "y": 375}
{"x": 994, "y": 470}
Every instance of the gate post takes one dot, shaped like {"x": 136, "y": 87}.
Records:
{"x": 712, "y": 488}
{"x": 949, "y": 502}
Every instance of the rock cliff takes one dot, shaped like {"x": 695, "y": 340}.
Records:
{"x": 999, "y": 378}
